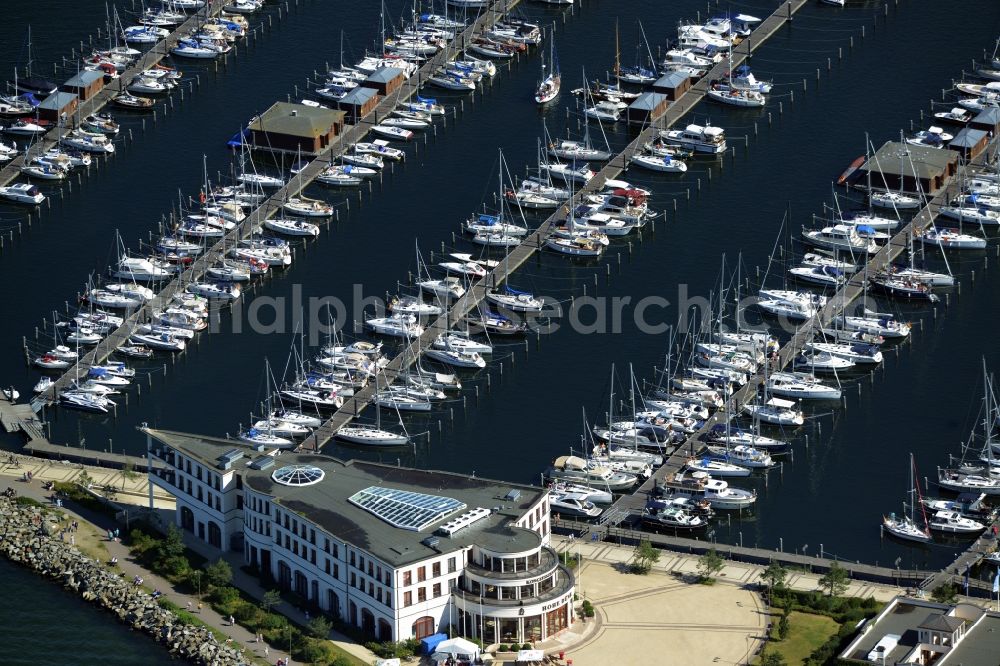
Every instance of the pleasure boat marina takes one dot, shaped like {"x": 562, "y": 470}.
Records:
{"x": 547, "y": 352}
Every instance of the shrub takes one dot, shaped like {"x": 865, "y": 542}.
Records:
{"x": 225, "y": 595}
{"x": 140, "y": 542}
{"x": 248, "y": 614}
{"x": 218, "y": 573}
{"x": 319, "y": 627}
{"x": 503, "y": 647}
{"x": 341, "y": 660}
{"x": 273, "y": 622}
{"x": 175, "y": 567}
{"x": 526, "y": 646}
{"x": 27, "y": 501}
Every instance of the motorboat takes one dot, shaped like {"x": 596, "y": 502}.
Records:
{"x": 346, "y": 175}
{"x": 697, "y": 138}
{"x": 576, "y": 470}
{"x": 700, "y": 485}
{"x": 484, "y": 223}
{"x": 448, "y": 287}
{"x": 800, "y": 386}
{"x": 158, "y": 341}
{"x": 743, "y": 456}
{"x": 665, "y": 164}
{"x": 456, "y": 357}
{"x": 24, "y": 193}
{"x": 189, "y": 48}
{"x": 26, "y": 127}
{"x": 953, "y": 522}
{"x": 144, "y": 34}
{"x": 823, "y": 276}
{"x": 952, "y": 240}
{"x": 43, "y": 172}
{"x": 732, "y": 437}
{"x": 409, "y": 122}
{"x": 595, "y": 495}
{"x": 495, "y": 239}
{"x": 88, "y": 402}
{"x": 392, "y": 131}
{"x": 133, "y": 102}
{"x": 469, "y": 268}
{"x": 215, "y": 290}
{"x": 673, "y": 517}
{"x": 281, "y": 428}
{"x": 842, "y": 238}
{"x": 366, "y": 160}
{"x": 603, "y": 111}
{"x": 577, "y": 246}
{"x": 134, "y": 351}
{"x": 381, "y": 148}
{"x": 933, "y": 137}
{"x": 400, "y": 326}
{"x": 451, "y": 81}
{"x": 572, "y": 504}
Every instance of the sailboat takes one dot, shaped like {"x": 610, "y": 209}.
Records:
{"x": 36, "y": 85}
{"x": 550, "y": 83}
{"x": 368, "y": 435}
{"x": 638, "y": 74}
{"x": 906, "y": 526}
{"x": 972, "y": 477}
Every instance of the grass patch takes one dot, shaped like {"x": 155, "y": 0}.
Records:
{"x": 806, "y": 633}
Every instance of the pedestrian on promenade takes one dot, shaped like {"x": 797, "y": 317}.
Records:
{"x": 189, "y": 607}
{"x": 232, "y": 621}
{"x": 265, "y": 652}
{"x": 72, "y": 540}
{"x": 199, "y": 606}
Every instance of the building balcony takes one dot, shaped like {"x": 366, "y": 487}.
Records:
{"x": 564, "y": 584}
{"x": 547, "y": 562}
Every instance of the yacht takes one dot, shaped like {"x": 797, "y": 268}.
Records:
{"x": 400, "y": 326}
{"x": 700, "y": 485}
{"x": 572, "y": 504}
{"x": 841, "y": 237}
{"x": 88, "y": 402}
{"x": 257, "y": 437}
{"x": 717, "y": 468}
{"x": 672, "y": 516}
{"x": 698, "y": 138}
{"x": 961, "y": 482}
{"x": 776, "y": 411}
{"x": 462, "y": 342}
{"x": 665, "y": 164}
{"x": 952, "y": 240}
{"x": 894, "y": 200}
{"x": 731, "y": 437}
{"x": 291, "y": 227}
{"x": 457, "y": 358}
{"x": 308, "y": 207}
{"x": 366, "y": 435}
{"x": 577, "y": 470}
{"x": 953, "y": 522}
{"x": 24, "y": 193}
{"x": 822, "y": 362}
{"x": 800, "y": 386}
{"x": 857, "y": 353}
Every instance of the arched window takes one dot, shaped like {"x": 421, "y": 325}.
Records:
{"x": 187, "y": 519}
{"x": 423, "y": 627}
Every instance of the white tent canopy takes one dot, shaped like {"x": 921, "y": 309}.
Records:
{"x": 458, "y": 646}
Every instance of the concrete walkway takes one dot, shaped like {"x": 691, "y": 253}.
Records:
{"x": 134, "y": 490}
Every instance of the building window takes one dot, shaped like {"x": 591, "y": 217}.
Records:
{"x": 421, "y": 594}
{"x": 336, "y": 571}
{"x": 435, "y": 569}
{"x": 407, "y": 578}
{"x": 388, "y": 598}
{"x": 407, "y": 599}
{"x": 421, "y": 574}
{"x": 370, "y": 568}
{"x": 354, "y": 580}
{"x": 437, "y": 590}
{"x": 326, "y": 545}
{"x": 326, "y": 566}
{"x": 451, "y": 565}
{"x": 352, "y": 558}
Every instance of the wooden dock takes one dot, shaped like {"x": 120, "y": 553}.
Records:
{"x": 536, "y": 240}
{"x": 20, "y": 417}
{"x": 351, "y": 135}
{"x": 93, "y": 105}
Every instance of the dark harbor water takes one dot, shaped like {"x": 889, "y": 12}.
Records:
{"x": 43, "y": 625}
{"x": 833, "y": 492}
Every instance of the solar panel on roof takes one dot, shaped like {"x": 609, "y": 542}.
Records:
{"x": 405, "y": 509}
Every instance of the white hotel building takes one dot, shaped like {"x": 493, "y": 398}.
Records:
{"x": 398, "y": 552}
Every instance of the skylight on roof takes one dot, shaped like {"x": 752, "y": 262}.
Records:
{"x": 404, "y": 509}
{"x": 298, "y": 475}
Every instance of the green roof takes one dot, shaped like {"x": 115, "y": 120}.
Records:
{"x": 296, "y": 120}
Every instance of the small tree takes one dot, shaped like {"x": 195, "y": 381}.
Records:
{"x": 772, "y": 659}
{"x": 84, "y": 479}
{"x": 319, "y": 627}
{"x": 946, "y": 593}
{"x": 218, "y": 573}
{"x": 774, "y": 575}
{"x": 835, "y": 580}
{"x": 710, "y": 564}
{"x": 271, "y": 599}
{"x": 172, "y": 544}
{"x": 644, "y": 557}
{"x": 783, "y": 627}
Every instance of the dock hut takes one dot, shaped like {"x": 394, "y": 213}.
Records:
{"x": 295, "y": 128}
{"x": 647, "y": 107}
{"x": 84, "y": 85}
{"x": 987, "y": 120}
{"x": 970, "y": 142}
{"x": 673, "y": 85}
{"x": 896, "y": 165}
{"x": 57, "y": 105}
{"x": 358, "y": 103}
{"x": 386, "y": 80}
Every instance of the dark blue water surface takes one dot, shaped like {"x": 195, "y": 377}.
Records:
{"x": 833, "y": 492}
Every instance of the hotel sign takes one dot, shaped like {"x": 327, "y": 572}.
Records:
{"x": 555, "y": 604}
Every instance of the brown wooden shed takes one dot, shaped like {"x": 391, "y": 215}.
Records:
{"x": 295, "y": 128}
{"x": 386, "y": 80}
{"x": 673, "y": 85}
{"x": 84, "y": 85}
{"x": 358, "y": 103}
{"x": 56, "y": 105}
{"x": 646, "y": 108}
